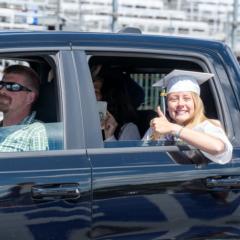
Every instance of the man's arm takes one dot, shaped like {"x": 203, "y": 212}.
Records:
{"x": 38, "y": 135}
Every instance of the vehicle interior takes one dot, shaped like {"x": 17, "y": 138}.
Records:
{"x": 145, "y": 71}
{"x": 141, "y": 73}
{"x": 48, "y": 96}
{"x": 47, "y": 106}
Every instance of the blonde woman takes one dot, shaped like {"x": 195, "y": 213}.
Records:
{"x": 188, "y": 122}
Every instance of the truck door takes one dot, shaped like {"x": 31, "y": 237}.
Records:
{"x": 47, "y": 194}
{"x": 145, "y": 193}
{"x": 158, "y": 190}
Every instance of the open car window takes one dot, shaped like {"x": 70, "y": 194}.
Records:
{"x": 136, "y": 74}
{"x": 144, "y": 72}
{"x": 42, "y": 130}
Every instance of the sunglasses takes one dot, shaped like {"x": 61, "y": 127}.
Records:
{"x": 13, "y": 87}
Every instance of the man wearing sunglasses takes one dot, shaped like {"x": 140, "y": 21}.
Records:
{"x": 19, "y": 90}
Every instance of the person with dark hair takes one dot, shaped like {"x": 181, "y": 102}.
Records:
{"x": 19, "y": 89}
{"x": 111, "y": 86}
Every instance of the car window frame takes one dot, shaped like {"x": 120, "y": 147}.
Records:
{"x": 63, "y": 61}
{"x": 202, "y": 60}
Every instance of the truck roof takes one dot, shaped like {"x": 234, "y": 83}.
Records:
{"x": 127, "y": 40}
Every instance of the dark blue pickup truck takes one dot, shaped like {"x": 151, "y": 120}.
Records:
{"x": 85, "y": 188}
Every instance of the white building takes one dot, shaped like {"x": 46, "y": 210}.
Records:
{"x": 201, "y": 18}
{"x": 21, "y": 14}
{"x": 216, "y": 13}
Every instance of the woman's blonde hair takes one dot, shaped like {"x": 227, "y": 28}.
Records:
{"x": 199, "y": 112}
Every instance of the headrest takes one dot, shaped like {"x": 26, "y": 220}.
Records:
{"x": 136, "y": 92}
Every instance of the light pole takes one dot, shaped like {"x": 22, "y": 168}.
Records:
{"x": 58, "y": 15}
{"x": 179, "y": 4}
{"x": 114, "y": 14}
{"x": 80, "y": 14}
{"x": 234, "y": 24}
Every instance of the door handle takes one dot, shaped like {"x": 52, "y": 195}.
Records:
{"x": 228, "y": 182}
{"x": 56, "y": 191}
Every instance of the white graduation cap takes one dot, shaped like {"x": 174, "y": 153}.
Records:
{"x": 183, "y": 81}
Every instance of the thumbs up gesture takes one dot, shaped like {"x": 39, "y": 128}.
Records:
{"x": 160, "y": 125}
{"x": 160, "y": 113}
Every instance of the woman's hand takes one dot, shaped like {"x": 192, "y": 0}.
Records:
{"x": 162, "y": 126}
{"x": 110, "y": 125}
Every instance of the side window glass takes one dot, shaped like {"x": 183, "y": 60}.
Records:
{"x": 30, "y": 116}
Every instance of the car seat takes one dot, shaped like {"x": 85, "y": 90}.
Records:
{"x": 143, "y": 121}
{"x": 46, "y": 105}
{"x": 208, "y": 101}
{"x": 137, "y": 96}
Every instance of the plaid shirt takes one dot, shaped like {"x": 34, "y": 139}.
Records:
{"x": 28, "y": 135}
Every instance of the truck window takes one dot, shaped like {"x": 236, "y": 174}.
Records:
{"x": 138, "y": 74}
{"x": 134, "y": 77}
{"x": 41, "y": 127}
